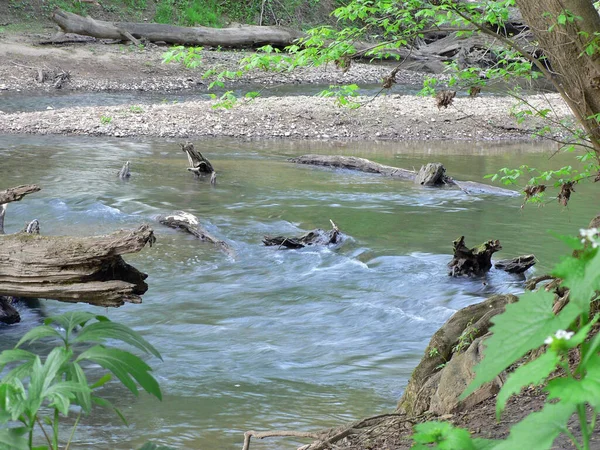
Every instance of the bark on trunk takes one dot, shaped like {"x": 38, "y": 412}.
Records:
{"x": 74, "y": 269}
{"x": 246, "y": 36}
{"x": 575, "y": 74}
{"x": 516, "y": 265}
{"x": 17, "y": 193}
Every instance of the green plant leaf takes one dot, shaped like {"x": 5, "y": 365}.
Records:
{"x": 522, "y": 327}
{"x": 533, "y": 372}
{"x": 10, "y": 356}
{"x": 40, "y": 332}
{"x": 100, "y": 332}
{"x": 539, "y": 430}
{"x": 124, "y": 365}
{"x": 76, "y": 374}
{"x": 582, "y": 276}
{"x": 69, "y": 321}
{"x": 12, "y": 439}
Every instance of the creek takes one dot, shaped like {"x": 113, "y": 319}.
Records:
{"x": 279, "y": 339}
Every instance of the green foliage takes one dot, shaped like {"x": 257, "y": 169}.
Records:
{"x": 190, "y": 57}
{"x": 32, "y": 386}
{"x": 444, "y": 436}
{"x": 136, "y": 109}
{"x": 530, "y": 324}
{"x": 342, "y": 94}
{"x": 105, "y": 120}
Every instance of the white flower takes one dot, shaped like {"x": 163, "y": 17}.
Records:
{"x": 562, "y": 334}
{"x": 549, "y": 340}
{"x": 589, "y": 234}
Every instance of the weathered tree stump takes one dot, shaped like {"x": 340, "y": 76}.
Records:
{"x": 472, "y": 261}
{"x": 444, "y": 98}
{"x": 74, "y": 269}
{"x": 431, "y": 174}
{"x": 198, "y": 163}
{"x": 189, "y": 223}
{"x": 516, "y": 265}
{"x": 8, "y": 313}
{"x": 314, "y": 237}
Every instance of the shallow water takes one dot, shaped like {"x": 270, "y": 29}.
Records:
{"x": 275, "y": 339}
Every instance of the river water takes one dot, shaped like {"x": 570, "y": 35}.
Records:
{"x": 278, "y": 339}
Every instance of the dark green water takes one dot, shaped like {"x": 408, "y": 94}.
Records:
{"x": 278, "y": 339}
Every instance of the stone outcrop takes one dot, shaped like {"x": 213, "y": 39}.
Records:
{"x": 447, "y": 366}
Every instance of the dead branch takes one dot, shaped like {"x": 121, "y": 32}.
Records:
{"x": 17, "y": 193}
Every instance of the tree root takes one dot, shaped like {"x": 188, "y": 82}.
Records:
{"x": 326, "y": 438}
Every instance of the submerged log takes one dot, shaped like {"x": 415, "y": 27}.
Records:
{"x": 516, "y": 265}
{"x": 189, "y": 223}
{"x": 74, "y": 269}
{"x": 314, "y": 237}
{"x": 354, "y": 163}
{"x": 472, "y": 261}
{"x": 198, "y": 163}
{"x": 365, "y": 165}
{"x": 246, "y": 36}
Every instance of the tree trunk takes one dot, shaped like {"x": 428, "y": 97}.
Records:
{"x": 575, "y": 74}
{"x": 246, "y": 36}
{"x": 74, "y": 269}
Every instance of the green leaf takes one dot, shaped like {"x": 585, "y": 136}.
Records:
{"x": 40, "y": 332}
{"x": 11, "y": 439}
{"x": 572, "y": 241}
{"x": 582, "y": 276}
{"x": 124, "y": 365}
{"x": 70, "y": 320}
{"x": 444, "y": 434}
{"x": 100, "y": 332}
{"x": 522, "y": 327}
{"x": 76, "y": 374}
{"x": 533, "y": 372}
{"x": 102, "y": 381}
{"x": 9, "y": 356}
{"x": 539, "y": 430}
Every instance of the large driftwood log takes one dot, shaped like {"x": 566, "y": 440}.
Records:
{"x": 472, "y": 261}
{"x": 437, "y": 178}
{"x": 189, "y": 223}
{"x": 74, "y": 269}
{"x": 246, "y": 36}
{"x": 17, "y": 193}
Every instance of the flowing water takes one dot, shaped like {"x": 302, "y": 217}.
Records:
{"x": 278, "y": 339}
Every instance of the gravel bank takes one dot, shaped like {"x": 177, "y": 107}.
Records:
{"x": 384, "y": 118}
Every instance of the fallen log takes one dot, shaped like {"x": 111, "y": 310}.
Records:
{"x": 354, "y": 163}
{"x": 314, "y": 237}
{"x": 472, "y": 261}
{"x": 520, "y": 264}
{"x": 17, "y": 193}
{"x": 189, "y": 223}
{"x": 74, "y": 269}
{"x": 437, "y": 177}
{"x": 246, "y": 36}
